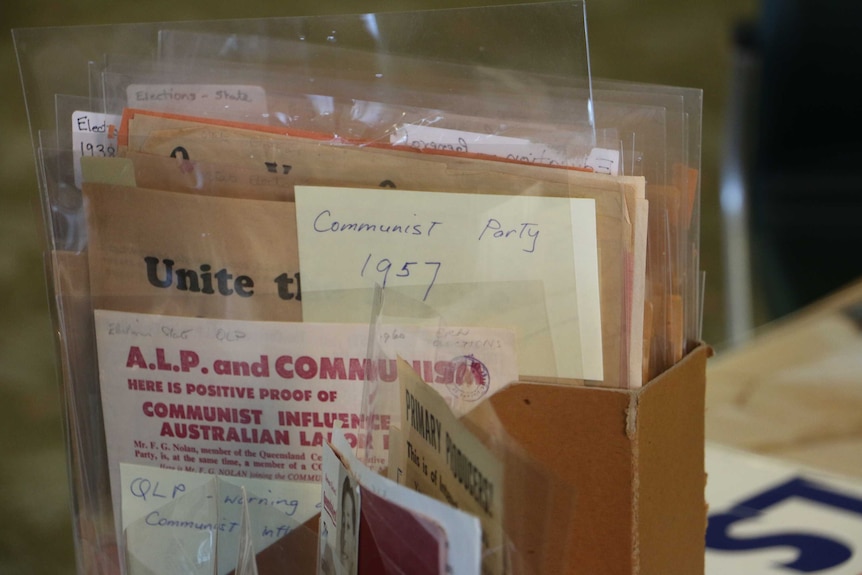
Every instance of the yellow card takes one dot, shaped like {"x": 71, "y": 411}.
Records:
{"x": 470, "y": 257}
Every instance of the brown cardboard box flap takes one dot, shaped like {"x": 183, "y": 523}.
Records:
{"x": 632, "y": 463}
{"x": 670, "y": 470}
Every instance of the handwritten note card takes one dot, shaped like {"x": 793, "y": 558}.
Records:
{"x": 528, "y": 263}
{"x": 181, "y": 511}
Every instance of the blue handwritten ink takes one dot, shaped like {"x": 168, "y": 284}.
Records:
{"x": 325, "y": 223}
{"x": 155, "y": 519}
{"x": 287, "y": 506}
{"x": 495, "y": 229}
{"x": 143, "y": 488}
{"x": 434, "y": 279}
{"x": 384, "y": 266}
{"x": 277, "y": 532}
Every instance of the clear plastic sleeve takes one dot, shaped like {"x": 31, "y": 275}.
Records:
{"x": 247, "y": 221}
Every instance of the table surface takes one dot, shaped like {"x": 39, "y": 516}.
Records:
{"x": 794, "y": 391}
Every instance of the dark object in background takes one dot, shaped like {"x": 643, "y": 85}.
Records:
{"x": 806, "y": 168}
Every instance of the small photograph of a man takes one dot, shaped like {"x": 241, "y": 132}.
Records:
{"x": 347, "y": 542}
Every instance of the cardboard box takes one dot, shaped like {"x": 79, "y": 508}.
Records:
{"x": 625, "y": 475}
{"x": 615, "y": 484}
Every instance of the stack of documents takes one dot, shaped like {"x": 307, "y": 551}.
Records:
{"x": 264, "y": 235}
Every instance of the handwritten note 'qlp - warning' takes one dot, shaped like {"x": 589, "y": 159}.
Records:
{"x": 528, "y": 263}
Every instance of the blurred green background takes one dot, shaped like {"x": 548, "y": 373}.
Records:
{"x": 673, "y": 42}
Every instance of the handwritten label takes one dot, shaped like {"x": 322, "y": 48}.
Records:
{"x": 433, "y": 138}
{"x": 146, "y": 489}
{"x": 600, "y": 160}
{"x": 604, "y": 161}
{"x": 170, "y": 509}
{"x": 198, "y": 98}
{"x": 93, "y": 135}
{"x": 475, "y": 259}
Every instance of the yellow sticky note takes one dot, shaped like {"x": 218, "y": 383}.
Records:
{"x": 522, "y": 262}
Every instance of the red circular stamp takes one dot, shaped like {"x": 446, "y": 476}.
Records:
{"x": 472, "y": 378}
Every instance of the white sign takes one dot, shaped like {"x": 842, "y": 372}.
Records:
{"x": 771, "y": 517}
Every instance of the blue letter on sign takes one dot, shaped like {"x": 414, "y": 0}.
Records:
{"x": 816, "y": 553}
